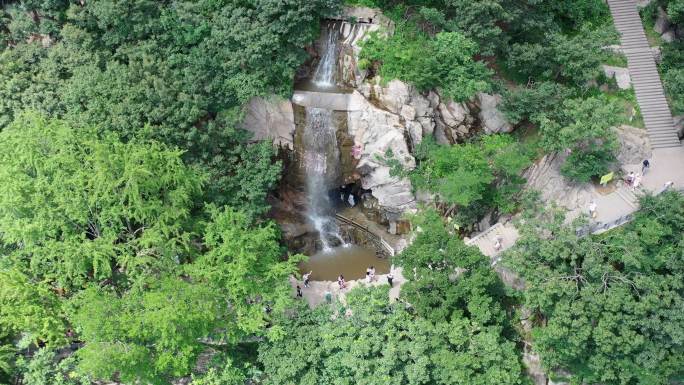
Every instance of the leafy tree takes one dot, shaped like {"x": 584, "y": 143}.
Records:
{"x": 583, "y": 126}
{"x": 575, "y": 60}
{"x": 149, "y": 335}
{"x": 606, "y": 306}
{"x": 673, "y": 81}
{"x": 375, "y": 342}
{"x": 79, "y": 209}
{"x": 242, "y": 264}
{"x": 535, "y": 102}
{"x": 156, "y": 333}
{"x": 445, "y": 62}
{"x": 465, "y": 173}
{"x": 479, "y": 20}
{"x": 30, "y": 307}
{"x": 45, "y": 367}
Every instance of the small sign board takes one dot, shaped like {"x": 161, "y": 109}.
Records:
{"x": 607, "y": 178}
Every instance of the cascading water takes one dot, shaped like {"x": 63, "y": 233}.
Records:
{"x": 321, "y": 161}
{"x": 324, "y": 76}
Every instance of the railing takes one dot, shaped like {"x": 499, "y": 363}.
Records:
{"x": 483, "y": 234}
{"x": 600, "y": 227}
{"x": 382, "y": 244}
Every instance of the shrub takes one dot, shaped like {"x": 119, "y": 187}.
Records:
{"x": 445, "y": 61}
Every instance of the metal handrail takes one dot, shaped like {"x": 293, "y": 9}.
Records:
{"x": 383, "y": 243}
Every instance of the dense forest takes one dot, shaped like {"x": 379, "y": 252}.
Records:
{"x": 135, "y": 245}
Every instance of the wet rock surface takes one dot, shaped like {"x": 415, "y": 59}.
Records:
{"x": 270, "y": 119}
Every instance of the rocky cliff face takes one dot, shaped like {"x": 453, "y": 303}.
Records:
{"x": 394, "y": 118}
{"x": 385, "y": 120}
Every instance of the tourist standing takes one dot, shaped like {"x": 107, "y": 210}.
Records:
{"x": 299, "y": 292}
{"x": 328, "y": 296}
{"x": 497, "y": 243}
{"x": 340, "y": 281}
{"x": 592, "y": 209}
{"x": 637, "y": 182}
{"x": 372, "y": 273}
{"x": 306, "y": 277}
{"x": 368, "y": 277}
{"x": 390, "y": 279}
{"x": 630, "y": 178}
{"x": 645, "y": 165}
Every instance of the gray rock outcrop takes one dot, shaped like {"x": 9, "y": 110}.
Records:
{"x": 621, "y": 76}
{"x": 678, "y": 122}
{"x": 378, "y": 133}
{"x": 635, "y": 145}
{"x": 545, "y": 177}
{"x": 493, "y": 121}
{"x": 270, "y": 119}
{"x": 454, "y": 121}
{"x": 662, "y": 23}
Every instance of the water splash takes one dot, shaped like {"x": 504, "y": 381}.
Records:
{"x": 324, "y": 76}
{"x": 321, "y": 162}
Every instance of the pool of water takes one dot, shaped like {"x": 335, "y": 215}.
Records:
{"x": 350, "y": 261}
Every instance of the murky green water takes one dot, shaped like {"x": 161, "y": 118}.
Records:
{"x": 350, "y": 261}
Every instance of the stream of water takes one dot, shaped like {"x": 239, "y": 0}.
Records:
{"x": 324, "y": 76}
{"x": 321, "y": 158}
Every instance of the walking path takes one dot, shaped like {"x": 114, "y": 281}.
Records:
{"x": 667, "y": 160}
{"x": 644, "y": 74}
{"x": 614, "y": 209}
{"x": 315, "y": 293}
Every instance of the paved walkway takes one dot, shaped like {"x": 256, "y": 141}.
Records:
{"x": 667, "y": 160}
{"x": 613, "y": 209}
{"x": 315, "y": 293}
{"x": 644, "y": 74}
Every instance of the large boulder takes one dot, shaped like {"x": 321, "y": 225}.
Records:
{"x": 377, "y": 133}
{"x": 454, "y": 121}
{"x": 416, "y": 112}
{"x": 270, "y": 119}
{"x": 620, "y": 74}
{"x": 493, "y": 121}
{"x": 635, "y": 145}
{"x": 662, "y": 23}
{"x": 545, "y": 177}
{"x": 678, "y": 122}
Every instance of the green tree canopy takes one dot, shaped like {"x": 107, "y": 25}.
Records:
{"x": 445, "y": 62}
{"x": 466, "y": 173}
{"x": 79, "y": 209}
{"x": 607, "y": 307}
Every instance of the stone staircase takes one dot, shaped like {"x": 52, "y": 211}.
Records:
{"x": 627, "y": 194}
{"x": 486, "y": 240}
{"x": 644, "y": 74}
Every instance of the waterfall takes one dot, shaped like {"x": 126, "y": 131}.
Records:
{"x": 321, "y": 162}
{"x": 327, "y": 66}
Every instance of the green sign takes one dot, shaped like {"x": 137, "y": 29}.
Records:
{"x": 607, "y": 178}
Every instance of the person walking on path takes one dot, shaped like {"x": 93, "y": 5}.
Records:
{"x": 299, "y": 292}
{"x": 340, "y": 281}
{"x": 390, "y": 278}
{"x": 497, "y": 243}
{"x": 306, "y": 277}
{"x": 368, "y": 277}
{"x": 592, "y": 209}
{"x": 372, "y": 273}
{"x": 645, "y": 165}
